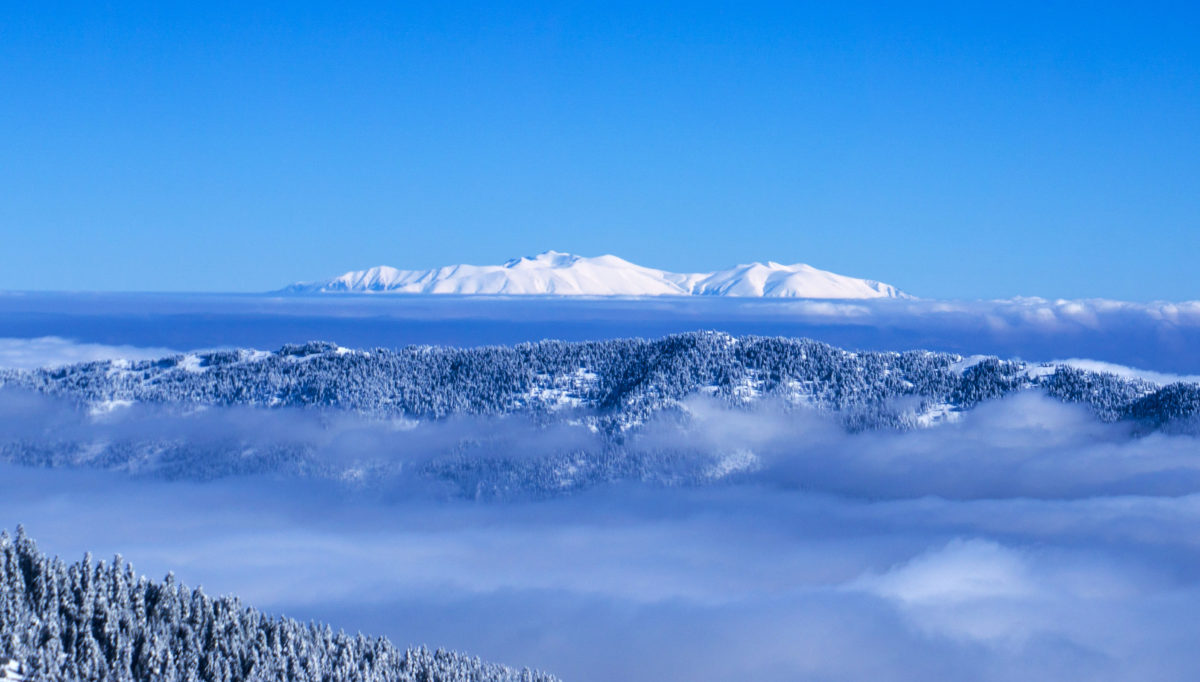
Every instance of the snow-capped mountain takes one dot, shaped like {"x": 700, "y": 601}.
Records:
{"x": 563, "y": 274}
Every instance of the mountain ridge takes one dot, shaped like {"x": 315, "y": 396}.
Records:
{"x": 593, "y": 407}
{"x": 554, "y": 273}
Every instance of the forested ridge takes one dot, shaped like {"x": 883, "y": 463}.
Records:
{"x": 221, "y": 413}
{"x": 619, "y": 382}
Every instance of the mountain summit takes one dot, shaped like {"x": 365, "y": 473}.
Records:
{"x": 554, "y": 273}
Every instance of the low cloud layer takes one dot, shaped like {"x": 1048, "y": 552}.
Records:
{"x": 1156, "y": 336}
{"x": 1026, "y": 541}
{"x": 1160, "y": 378}
{"x": 1025, "y": 445}
{"x": 53, "y": 351}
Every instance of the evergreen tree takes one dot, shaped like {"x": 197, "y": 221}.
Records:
{"x": 99, "y": 622}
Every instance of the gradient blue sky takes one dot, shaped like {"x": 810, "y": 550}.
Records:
{"x": 954, "y": 150}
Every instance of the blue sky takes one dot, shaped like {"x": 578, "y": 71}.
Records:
{"x": 953, "y": 149}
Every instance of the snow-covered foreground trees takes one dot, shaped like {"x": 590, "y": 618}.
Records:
{"x": 101, "y": 621}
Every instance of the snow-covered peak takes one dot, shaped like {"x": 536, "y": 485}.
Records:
{"x": 791, "y": 281}
{"x": 550, "y": 259}
{"x": 564, "y": 274}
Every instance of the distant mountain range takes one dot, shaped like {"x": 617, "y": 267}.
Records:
{"x": 562, "y": 274}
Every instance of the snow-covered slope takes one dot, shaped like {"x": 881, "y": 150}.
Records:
{"x": 563, "y": 274}
{"x": 789, "y": 281}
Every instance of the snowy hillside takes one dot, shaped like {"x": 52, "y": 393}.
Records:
{"x": 562, "y": 274}
{"x": 101, "y": 621}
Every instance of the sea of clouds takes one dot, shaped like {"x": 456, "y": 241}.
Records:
{"x": 1025, "y": 541}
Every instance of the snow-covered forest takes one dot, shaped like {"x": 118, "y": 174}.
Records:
{"x": 97, "y": 620}
{"x": 538, "y": 419}
{"x": 617, "y": 383}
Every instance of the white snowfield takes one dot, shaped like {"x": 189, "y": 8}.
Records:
{"x": 10, "y": 670}
{"x": 562, "y": 274}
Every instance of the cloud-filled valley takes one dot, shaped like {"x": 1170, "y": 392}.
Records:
{"x": 1005, "y": 568}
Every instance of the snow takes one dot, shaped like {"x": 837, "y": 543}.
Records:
{"x": 967, "y": 363}
{"x": 104, "y": 407}
{"x": 118, "y": 368}
{"x": 801, "y": 393}
{"x": 562, "y": 274}
{"x": 741, "y": 460}
{"x": 195, "y": 364}
{"x": 556, "y": 392}
{"x": 191, "y": 363}
{"x": 10, "y": 670}
{"x": 749, "y": 389}
{"x": 1041, "y": 371}
{"x": 940, "y": 413}
{"x": 775, "y": 280}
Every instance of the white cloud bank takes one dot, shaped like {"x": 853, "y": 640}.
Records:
{"x": 54, "y": 351}
{"x": 1024, "y": 542}
{"x": 1158, "y": 336}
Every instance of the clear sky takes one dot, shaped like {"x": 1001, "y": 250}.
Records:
{"x": 954, "y": 150}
